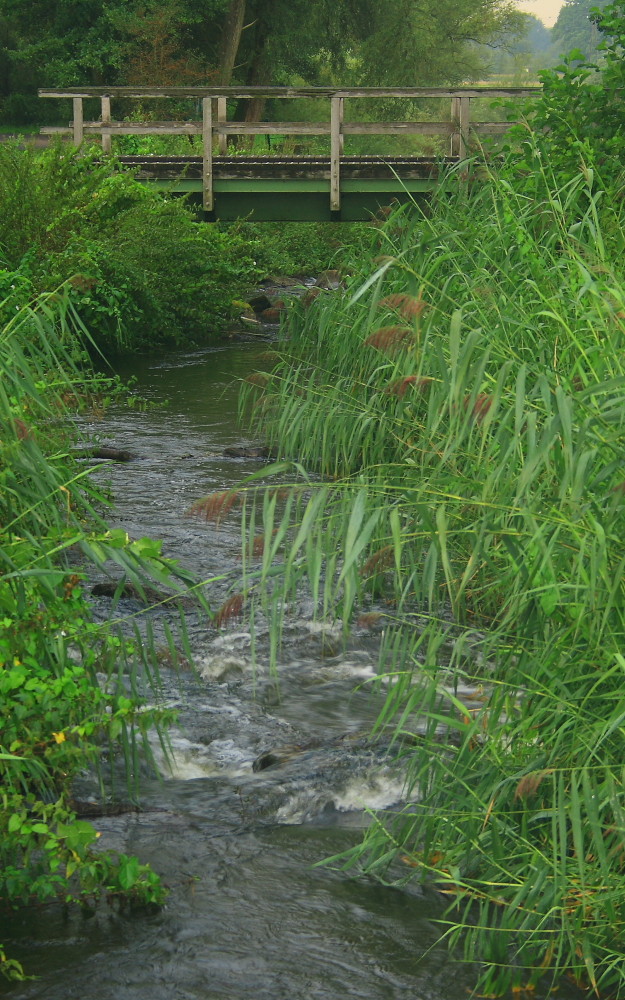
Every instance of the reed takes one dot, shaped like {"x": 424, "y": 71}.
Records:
{"x": 474, "y": 482}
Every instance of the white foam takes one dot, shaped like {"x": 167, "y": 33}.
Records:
{"x": 223, "y": 667}
{"x": 370, "y": 792}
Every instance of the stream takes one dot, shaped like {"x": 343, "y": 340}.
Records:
{"x": 248, "y": 914}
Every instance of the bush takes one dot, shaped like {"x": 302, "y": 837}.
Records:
{"x": 142, "y": 270}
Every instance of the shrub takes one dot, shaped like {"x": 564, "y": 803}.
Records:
{"x": 142, "y": 270}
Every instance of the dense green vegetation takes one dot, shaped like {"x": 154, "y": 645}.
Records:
{"x": 142, "y": 271}
{"x": 464, "y": 401}
{"x": 56, "y": 43}
{"x": 69, "y": 689}
{"x": 462, "y": 398}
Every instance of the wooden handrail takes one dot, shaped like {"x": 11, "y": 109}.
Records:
{"x": 214, "y": 115}
{"x": 242, "y": 93}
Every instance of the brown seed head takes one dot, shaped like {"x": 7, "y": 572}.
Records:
{"x": 309, "y": 297}
{"x": 529, "y": 784}
{"x": 215, "y": 506}
{"x": 389, "y": 338}
{"x": 232, "y": 608}
{"x": 22, "y": 430}
{"x": 369, "y": 619}
{"x": 259, "y": 379}
{"x": 378, "y": 561}
{"x": 407, "y": 306}
{"x": 481, "y": 406}
{"x": 417, "y": 382}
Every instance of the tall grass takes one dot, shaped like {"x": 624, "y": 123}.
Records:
{"x": 464, "y": 402}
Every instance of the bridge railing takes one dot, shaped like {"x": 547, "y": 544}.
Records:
{"x": 215, "y": 127}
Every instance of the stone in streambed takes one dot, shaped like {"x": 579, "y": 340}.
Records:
{"x": 330, "y": 280}
{"x": 271, "y": 315}
{"x": 259, "y": 303}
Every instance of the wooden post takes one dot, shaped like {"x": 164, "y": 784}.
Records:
{"x": 341, "y": 134}
{"x": 464, "y": 123}
{"x": 336, "y": 114}
{"x": 106, "y": 117}
{"x": 78, "y": 120}
{"x": 207, "y": 164}
{"x": 222, "y": 116}
{"x": 454, "y": 139}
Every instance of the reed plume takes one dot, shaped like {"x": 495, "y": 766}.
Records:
{"x": 408, "y": 306}
{"x": 378, "y": 561}
{"x": 389, "y": 338}
{"x": 481, "y": 406}
{"x": 231, "y": 608}
{"x": 215, "y": 506}
{"x": 258, "y": 379}
{"x": 420, "y": 383}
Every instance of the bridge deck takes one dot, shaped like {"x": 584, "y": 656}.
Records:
{"x": 272, "y": 188}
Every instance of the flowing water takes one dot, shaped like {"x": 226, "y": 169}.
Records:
{"x": 249, "y": 914}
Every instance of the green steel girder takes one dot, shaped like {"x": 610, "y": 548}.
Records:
{"x": 296, "y": 200}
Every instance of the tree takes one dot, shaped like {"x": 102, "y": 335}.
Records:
{"x": 435, "y": 42}
{"x": 575, "y": 29}
{"x": 251, "y": 42}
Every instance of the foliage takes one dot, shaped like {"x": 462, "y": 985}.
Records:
{"x": 183, "y": 41}
{"x": 67, "y": 692}
{"x": 463, "y": 401}
{"x": 575, "y": 28}
{"x": 298, "y": 248}
{"x": 142, "y": 270}
{"x": 580, "y": 114}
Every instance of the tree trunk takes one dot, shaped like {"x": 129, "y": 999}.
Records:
{"x": 230, "y": 41}
{"x": 258, "y": 75}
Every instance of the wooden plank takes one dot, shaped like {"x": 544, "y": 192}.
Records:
{"x": 491, "y": 128}
{"x": 207, "y": 159}
{"x": 141, "y": 128}
{"x": 274, "y": 128}
{"x": 237, "y": 93}
{"x": 397, "y": 128}
{"x": 336, "y": 108}
{"x": 277, "y": 128}
{"x": 77, "y": 124}
{"x": 341, "y": 111}
{"x": 105, "y": 102}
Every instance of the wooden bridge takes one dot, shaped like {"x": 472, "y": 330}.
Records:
{"x": 298, "y": 187}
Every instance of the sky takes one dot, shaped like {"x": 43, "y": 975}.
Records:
{"x": 546, "y": 10}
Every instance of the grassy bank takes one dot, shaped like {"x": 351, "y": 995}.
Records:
{"x": 464, "y": 400}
